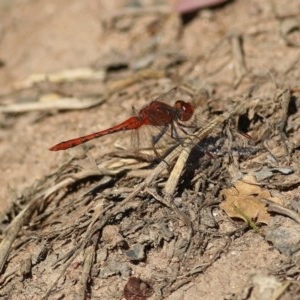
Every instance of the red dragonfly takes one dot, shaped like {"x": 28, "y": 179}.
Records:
{"x": 156, "y": 113}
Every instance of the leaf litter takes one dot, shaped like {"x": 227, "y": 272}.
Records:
{"x": 247, "y": 201}
{"x": 125, "y": 217}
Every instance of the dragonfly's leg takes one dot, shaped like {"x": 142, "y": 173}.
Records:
{"x": 183, "y": 130}
{"x": 174, "y": 133}
{"x": 156, "y": 138}
{"x": 185, "y": 125}
{"x": 182, "y": 126}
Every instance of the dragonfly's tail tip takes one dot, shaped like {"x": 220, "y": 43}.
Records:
{"x": 53, "y": 148}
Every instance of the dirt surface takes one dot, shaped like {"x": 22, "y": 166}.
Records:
{"x": 213, "y": 216}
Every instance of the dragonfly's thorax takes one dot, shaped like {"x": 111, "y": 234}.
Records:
{"x": 157, "y": 114}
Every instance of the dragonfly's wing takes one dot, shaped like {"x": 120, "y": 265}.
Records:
{"x": 168, "y": 97}
{"x": 144, "y": 137}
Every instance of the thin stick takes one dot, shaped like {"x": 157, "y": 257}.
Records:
{"x": 13, "y": 230}
{"x": 87, "y": 266}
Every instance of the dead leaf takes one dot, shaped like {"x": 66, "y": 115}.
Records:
{"x": 245, "y": 201}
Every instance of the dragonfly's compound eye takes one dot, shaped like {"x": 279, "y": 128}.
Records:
{"x": 185, "y": 110}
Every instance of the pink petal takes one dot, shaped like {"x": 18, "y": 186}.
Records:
{"x": 184, "y": 6}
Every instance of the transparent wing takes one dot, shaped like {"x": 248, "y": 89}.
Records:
{"x": 168, "y": 97}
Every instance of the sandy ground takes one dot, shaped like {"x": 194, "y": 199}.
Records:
{"x": 119, "y": 55}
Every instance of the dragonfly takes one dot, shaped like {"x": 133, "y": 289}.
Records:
{"x": 157, "y": 113}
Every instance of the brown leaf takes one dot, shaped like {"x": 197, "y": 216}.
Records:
{"x": 245, "y": 201}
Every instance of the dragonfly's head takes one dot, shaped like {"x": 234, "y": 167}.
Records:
{"x": 184, "y": 110}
